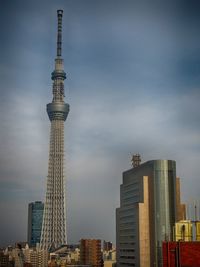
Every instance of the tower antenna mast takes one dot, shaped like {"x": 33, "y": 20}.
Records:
{"x": 59, "y": 33}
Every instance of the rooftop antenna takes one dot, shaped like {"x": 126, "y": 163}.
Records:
{"x": 195, "y": 212}
{"x": 136, "y": 160}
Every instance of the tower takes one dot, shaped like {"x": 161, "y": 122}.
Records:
{"x": 54, "y": 217}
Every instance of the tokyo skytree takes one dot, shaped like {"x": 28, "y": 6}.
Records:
{"x": 54, "y": 217}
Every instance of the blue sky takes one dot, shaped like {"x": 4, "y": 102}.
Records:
{"x": 133, "y": 85}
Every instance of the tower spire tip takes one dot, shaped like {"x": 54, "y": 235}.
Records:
{"x": 59, "y": 36}
{"x": 59, "y": 12}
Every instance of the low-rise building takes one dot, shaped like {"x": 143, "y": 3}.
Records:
{"x": 90, "y": 252}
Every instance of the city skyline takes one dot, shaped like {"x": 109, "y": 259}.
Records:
{"x": 133, "y": 80}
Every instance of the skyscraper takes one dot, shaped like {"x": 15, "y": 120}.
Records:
{"x": 54, "y": 218}
{"x": 147, "y": 213}
{"x": 35, "y": 214}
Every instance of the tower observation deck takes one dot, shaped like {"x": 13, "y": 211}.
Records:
{"x": 54, "y": 217}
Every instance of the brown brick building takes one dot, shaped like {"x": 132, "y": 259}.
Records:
{"x": 90, "y": 252}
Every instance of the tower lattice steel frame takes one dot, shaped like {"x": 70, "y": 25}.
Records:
{"x": 54, "y": 218}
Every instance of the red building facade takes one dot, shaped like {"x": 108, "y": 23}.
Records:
{"x": 181, "y": 254}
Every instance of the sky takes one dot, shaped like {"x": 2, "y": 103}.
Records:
{"x": 133, "y": 85}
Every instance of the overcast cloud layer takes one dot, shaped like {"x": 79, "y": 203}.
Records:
{"x": 133, "y": 85}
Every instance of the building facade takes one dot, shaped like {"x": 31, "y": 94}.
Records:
{"x": 39, "y": 258}
{"x": 183, "y": 231}
{"x": 147, "y": 213}
{"x": 197, "y": 225}
{"x": 54, "y": 219}
{"x": 107, "y": 245}
{"x": 90, "y": 252}
{"x": 35, "y": 215}
{"x": 176, "y": 254}
{"x": 181, "y": 208}
{"x": 4, "y": 260}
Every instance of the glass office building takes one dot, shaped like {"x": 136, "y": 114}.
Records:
{"x": 147, "y": 213}
{"x": 164, "y": 185}
{"x": 35, "y": 215}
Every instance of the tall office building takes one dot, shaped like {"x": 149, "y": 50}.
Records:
{"x": 147, "y": 213}
{"x": 54, "y": 218}
{"x": 35, "y": 215}
{"x": 90, "y": 252}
